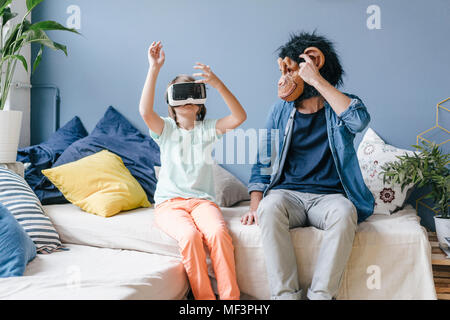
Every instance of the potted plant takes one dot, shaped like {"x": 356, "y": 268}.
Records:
{"x": 12, "y": 39}
{"x": 429, "y": 167}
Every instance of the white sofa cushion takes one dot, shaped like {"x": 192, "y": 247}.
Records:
{"x": 86, "y": 272}
{"x": 396, "y": 245}
{"x": 131, "y": 230}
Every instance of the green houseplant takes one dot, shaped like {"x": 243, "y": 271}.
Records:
{"x": 12, "y": 39}
{"x": 429, "y": 167}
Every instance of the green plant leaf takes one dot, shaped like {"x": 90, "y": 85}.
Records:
{"x": 38, "y": 58}
{"x": 61, "y": 47}
{"x": 23, "y": 60}
{"x": 18, "y": 57}
{"x": 51, "y": 25}
{"x": 41, "y": 37}
{"x": 4, "y": 4}
{"x": 7, "y": 15}
{"x": 32, "y": 3}
{"x": 10, "y": 38}
{"x": 13, "y": 44}
{"x": 428, "y": 196}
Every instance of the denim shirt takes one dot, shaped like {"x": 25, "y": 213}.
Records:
{"x": 341, "y": 133}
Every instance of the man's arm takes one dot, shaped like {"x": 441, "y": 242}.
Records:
{"x": 261, "y": 170}
{"x": 350, "y": 109}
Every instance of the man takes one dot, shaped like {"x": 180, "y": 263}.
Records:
{"x": 315, "y": 178}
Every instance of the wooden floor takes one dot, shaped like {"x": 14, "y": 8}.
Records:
{"x": 441, "y": 268}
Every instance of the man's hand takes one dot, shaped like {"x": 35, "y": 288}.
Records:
{"x": 311, "y": 75}
{"x": 251, "y": 215}
{"x": 308, "y": 71}
{"x": 156, "y": 55}
{"x": 249, "y": 218}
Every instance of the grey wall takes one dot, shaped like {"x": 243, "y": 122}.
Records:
{"x": 400, "y": 71}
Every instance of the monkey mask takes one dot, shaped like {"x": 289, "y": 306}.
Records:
{"x": 291, "y": 85}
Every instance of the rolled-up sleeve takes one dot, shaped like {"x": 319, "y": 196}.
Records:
{"x": 355, "y": 117}
{"x": 257, "y": 187}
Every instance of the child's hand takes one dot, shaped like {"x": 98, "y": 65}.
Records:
{"x": 209, "y": 76}
{"x": 156, "y": 55}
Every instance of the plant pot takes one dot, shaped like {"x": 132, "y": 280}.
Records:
{"x": 442, "y": 230}
{"x": 10, "y": 125}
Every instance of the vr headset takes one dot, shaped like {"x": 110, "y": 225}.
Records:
{"x": 179, "y": 94}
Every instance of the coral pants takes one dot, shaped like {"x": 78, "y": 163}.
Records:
{"x": 193, "y": 222}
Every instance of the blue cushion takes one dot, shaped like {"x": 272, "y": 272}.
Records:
{"x": 44, "y": 155}
{"x": 16, "y": 247}
{"x": 115, "y": 133}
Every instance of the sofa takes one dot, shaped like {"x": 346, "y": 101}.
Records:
{"x": 126, "y": 256}
{"x": 391, "y": 257}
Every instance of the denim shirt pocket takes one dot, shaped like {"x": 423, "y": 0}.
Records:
{"x": 343, "y": 138}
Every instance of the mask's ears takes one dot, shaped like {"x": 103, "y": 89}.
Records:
{"x": 316, "y": 55}
{"x": 282, "y": 66}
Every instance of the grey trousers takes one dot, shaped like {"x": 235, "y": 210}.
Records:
{"x": 281, "y": 210}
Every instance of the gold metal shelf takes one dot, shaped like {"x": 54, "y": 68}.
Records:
{"x": 438, "y": 128}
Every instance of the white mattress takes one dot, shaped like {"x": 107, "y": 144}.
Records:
{"x": 85, "y": 272}
{"x": 396, "y": 246}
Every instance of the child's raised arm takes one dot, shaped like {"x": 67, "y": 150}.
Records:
{"x": 156, "y": 59}
{"x": 238, "y": 114}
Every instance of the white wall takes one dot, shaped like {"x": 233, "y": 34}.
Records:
{"x": 19, "y": 98}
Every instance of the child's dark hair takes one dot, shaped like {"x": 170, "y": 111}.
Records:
{"x": 185, "y": 78}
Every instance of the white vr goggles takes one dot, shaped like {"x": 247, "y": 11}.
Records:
{"x": 179, "y": 94}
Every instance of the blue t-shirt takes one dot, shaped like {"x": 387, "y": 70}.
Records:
{"x": 309, "y": 165}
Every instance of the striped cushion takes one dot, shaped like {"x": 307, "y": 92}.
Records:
{"x": 20, "y": 200}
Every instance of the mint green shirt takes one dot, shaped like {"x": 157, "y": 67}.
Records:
{"x": 186, "y": 161}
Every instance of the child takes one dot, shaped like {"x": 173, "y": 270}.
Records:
{"x": 184, "y": 196}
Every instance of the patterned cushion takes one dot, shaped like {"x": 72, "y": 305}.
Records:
{"x": 373, "y": 153}
{"x": 17, "y": 196}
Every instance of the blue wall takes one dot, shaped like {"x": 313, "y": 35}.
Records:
{"x": 400, "y": 71}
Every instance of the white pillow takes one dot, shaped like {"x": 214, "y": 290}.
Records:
{"x": 373, "y": 153}
{"x": 229, "y": 190}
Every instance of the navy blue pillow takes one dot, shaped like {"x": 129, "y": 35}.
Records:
{"x": 115, "y": 133}
{"x": 16, "y": 247}
{"x": 44, "y": 155}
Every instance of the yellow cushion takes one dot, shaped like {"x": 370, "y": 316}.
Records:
{"x": 99, "y": 184}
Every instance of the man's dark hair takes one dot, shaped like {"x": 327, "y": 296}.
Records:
{"x": 332, "y": 70}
